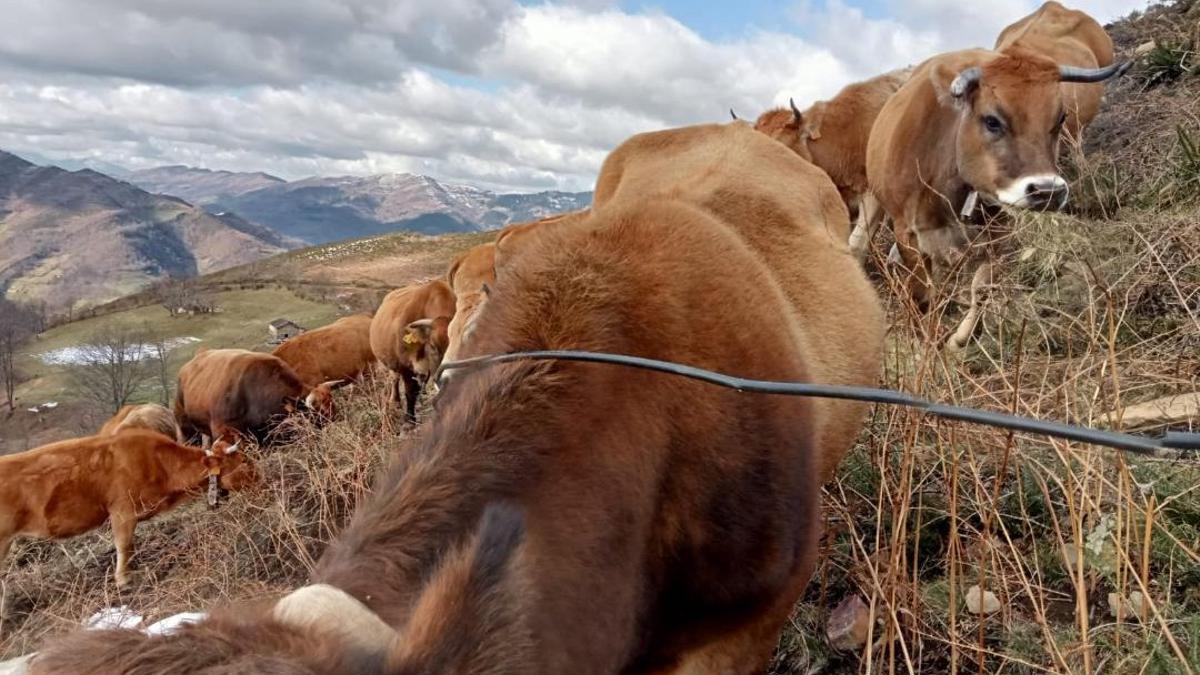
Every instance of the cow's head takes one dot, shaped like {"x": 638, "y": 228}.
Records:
{"x": 427, "y": 340}
{"x": 319, "y": 399}
{"x": 786, "y": 125}
{"x": 1011, "y": 115}
{"x": 227, "y": 469}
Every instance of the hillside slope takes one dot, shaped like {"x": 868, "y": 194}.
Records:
{"x": 83, "y": 237}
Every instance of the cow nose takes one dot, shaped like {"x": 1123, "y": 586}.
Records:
{"x": 1048, "y": 193}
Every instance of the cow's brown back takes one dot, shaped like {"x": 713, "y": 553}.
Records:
{"x": 401, "y": 307}
{"x": 338, "y": 351}
{"x": 149, "y": 416}
{"x": 234, "y": 388}
{"x": 791, "y": 215}
{"x": 1068, "y": 37}
{"x": 833, "y": 134}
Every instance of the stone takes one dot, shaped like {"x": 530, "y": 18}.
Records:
{"x": 982, "y": 602}
{"x": 848, "y": 624}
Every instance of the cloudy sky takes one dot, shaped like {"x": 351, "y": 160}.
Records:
{"x": 497, "y": 93}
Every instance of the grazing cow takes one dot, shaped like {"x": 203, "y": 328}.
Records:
{"x": 790, "y": 213}
{"x": 338, "y": 351}
{"x": 968, "y": 125}
{"x": 229, "y": 393}
{"x": 833, "y": 135}
{"x": 566, "y": 517}
{"x": 409, "y": 336}
{"x": 1068, "y": 37}
{"x": 150, "y": 416}
{"x": 71, "y": 487}
{"x": 470, "y": 275}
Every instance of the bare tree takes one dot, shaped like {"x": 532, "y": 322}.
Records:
{"x": 159, "y": 349}
{"x": 112, "y": 366}
{"x": 17, "y": 324}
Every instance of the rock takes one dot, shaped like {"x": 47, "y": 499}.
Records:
{"x": 1136, "y": 606}
{"x": 1173, "y": 409}
{"x": 848, "y": 624}
{"x": 1144, "y": 49}
{"x": 980, "y": 601}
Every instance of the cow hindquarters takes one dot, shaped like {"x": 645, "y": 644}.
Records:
{"x": 747, "y": 650}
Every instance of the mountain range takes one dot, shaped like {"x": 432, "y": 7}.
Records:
{"x": 323, "y": 209}
{"x": 81, "y": 237}
{"x": 71, "y": 234}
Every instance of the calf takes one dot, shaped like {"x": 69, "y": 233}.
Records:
{"x": 833, "y": 135}
{"x": 339, "y": 352}
{"x": 150, "y": 416}
{"x": 71, "y": 487}
{"x": 230, "y": 393}
{"x": 409, "y": 336}
{"x": 565, "y": 517}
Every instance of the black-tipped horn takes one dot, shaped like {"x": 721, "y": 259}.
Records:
{"x": 733, "y": 114}
{"x": 1074, "y": 74}
{"x": 965, "y": 82}
{"x": 795, "y": 111}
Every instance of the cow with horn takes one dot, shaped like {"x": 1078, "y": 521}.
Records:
{"x": 970, "y": 132}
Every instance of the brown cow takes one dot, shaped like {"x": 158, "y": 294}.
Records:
{"x": 230, "y": 393}
{"x": 340, "y": 351}
{"x": 833, "y": 135}
{"x": 71, "y": 487}
{"x": 1067, "y": 37}
{"x": 973, "y": 122}
{"x": 409, "y": 336}
{"x": 565, "y": 517}
{"x": 789, "y": 212}
{"x": 470, "y": 275}
{"x": 149, "y": 416}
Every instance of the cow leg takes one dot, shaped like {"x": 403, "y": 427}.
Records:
{"x": 396, "y": 395}
{"x": 870, "y": 216}
{"x": 412, "y": 391}
{"x": 917, "y": 282}
{"x": 966, "y": 327}
{"x": 123, "y": 524}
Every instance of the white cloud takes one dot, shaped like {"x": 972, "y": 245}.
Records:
{"x": 479, "y": 91}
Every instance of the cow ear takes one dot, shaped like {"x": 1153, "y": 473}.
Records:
{"x": 418, "y": 332}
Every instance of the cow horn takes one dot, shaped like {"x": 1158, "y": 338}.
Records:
{"x": 420, "y": 323}
{"x": 1074, "y": 74}
{"x": 965, "y": 81}
{"x": 795, "y": 111}
{"x": 333, "y": 610}
{"x": 333, "y": 384}
{"x": 733, "y": 114}
{"x": 232, "y": 449}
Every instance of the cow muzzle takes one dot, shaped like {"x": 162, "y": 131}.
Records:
{"x": 1047, "y": 192}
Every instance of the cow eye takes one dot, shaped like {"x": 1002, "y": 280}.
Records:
{"x": 993, "y": 124}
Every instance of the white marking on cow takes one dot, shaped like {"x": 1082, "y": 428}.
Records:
{"x": 1018, "y": 193}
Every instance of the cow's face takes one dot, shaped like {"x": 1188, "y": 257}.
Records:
{"x": 228, "y": 463}
{"x": 427, "y": 340}
{"x": 320, "y": 400}
{"x": 1010, "y": 118}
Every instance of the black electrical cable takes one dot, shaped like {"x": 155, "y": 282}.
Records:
{"x": 1169, "y": 446}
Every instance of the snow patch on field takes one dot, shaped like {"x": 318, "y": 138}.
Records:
{"x": 73, "y": 356}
